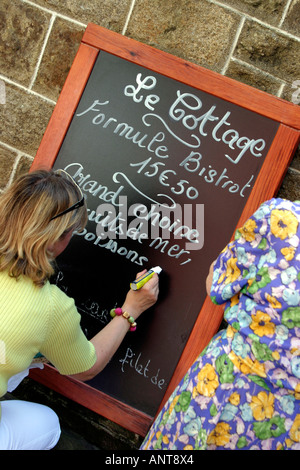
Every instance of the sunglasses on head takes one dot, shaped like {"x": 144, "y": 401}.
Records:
{"x": 78, "y": 204}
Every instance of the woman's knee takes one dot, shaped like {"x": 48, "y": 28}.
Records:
{"x": 28, "y": 426}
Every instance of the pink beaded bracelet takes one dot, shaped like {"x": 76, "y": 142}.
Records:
{"x": 118, "y": 311}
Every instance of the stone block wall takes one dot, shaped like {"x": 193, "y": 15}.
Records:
{"x": 253, "y": 41}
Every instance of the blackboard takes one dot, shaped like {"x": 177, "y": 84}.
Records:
{"x": 167, "y": 170}
{"x": 113, "y": 146}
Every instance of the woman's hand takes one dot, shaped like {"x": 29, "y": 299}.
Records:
{"x": 138, "y": 301}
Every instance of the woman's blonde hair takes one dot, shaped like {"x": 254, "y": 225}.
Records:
{"x": 26, "y": 228}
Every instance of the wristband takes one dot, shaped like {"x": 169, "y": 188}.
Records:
{"x": 119, "y": 312}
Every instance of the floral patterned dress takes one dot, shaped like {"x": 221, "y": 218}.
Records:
{"x": 243, "y": 391}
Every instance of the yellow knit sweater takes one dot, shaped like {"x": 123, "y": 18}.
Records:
{"x": 39, "y": 319}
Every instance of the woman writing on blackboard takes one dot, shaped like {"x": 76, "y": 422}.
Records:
{"x": 38, "y": 214}
{"x": 243, "y": 392}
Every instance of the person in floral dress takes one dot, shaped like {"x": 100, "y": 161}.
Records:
{"x": 243, "y": 391}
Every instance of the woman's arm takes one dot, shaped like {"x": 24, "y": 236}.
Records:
{"x": 108, "y": 340}
{"x": 209, "y": 278}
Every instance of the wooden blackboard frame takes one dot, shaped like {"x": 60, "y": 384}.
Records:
{"x": 283, "y": 147}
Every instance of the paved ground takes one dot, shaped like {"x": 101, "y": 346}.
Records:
{"x": 70, "y": 440}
